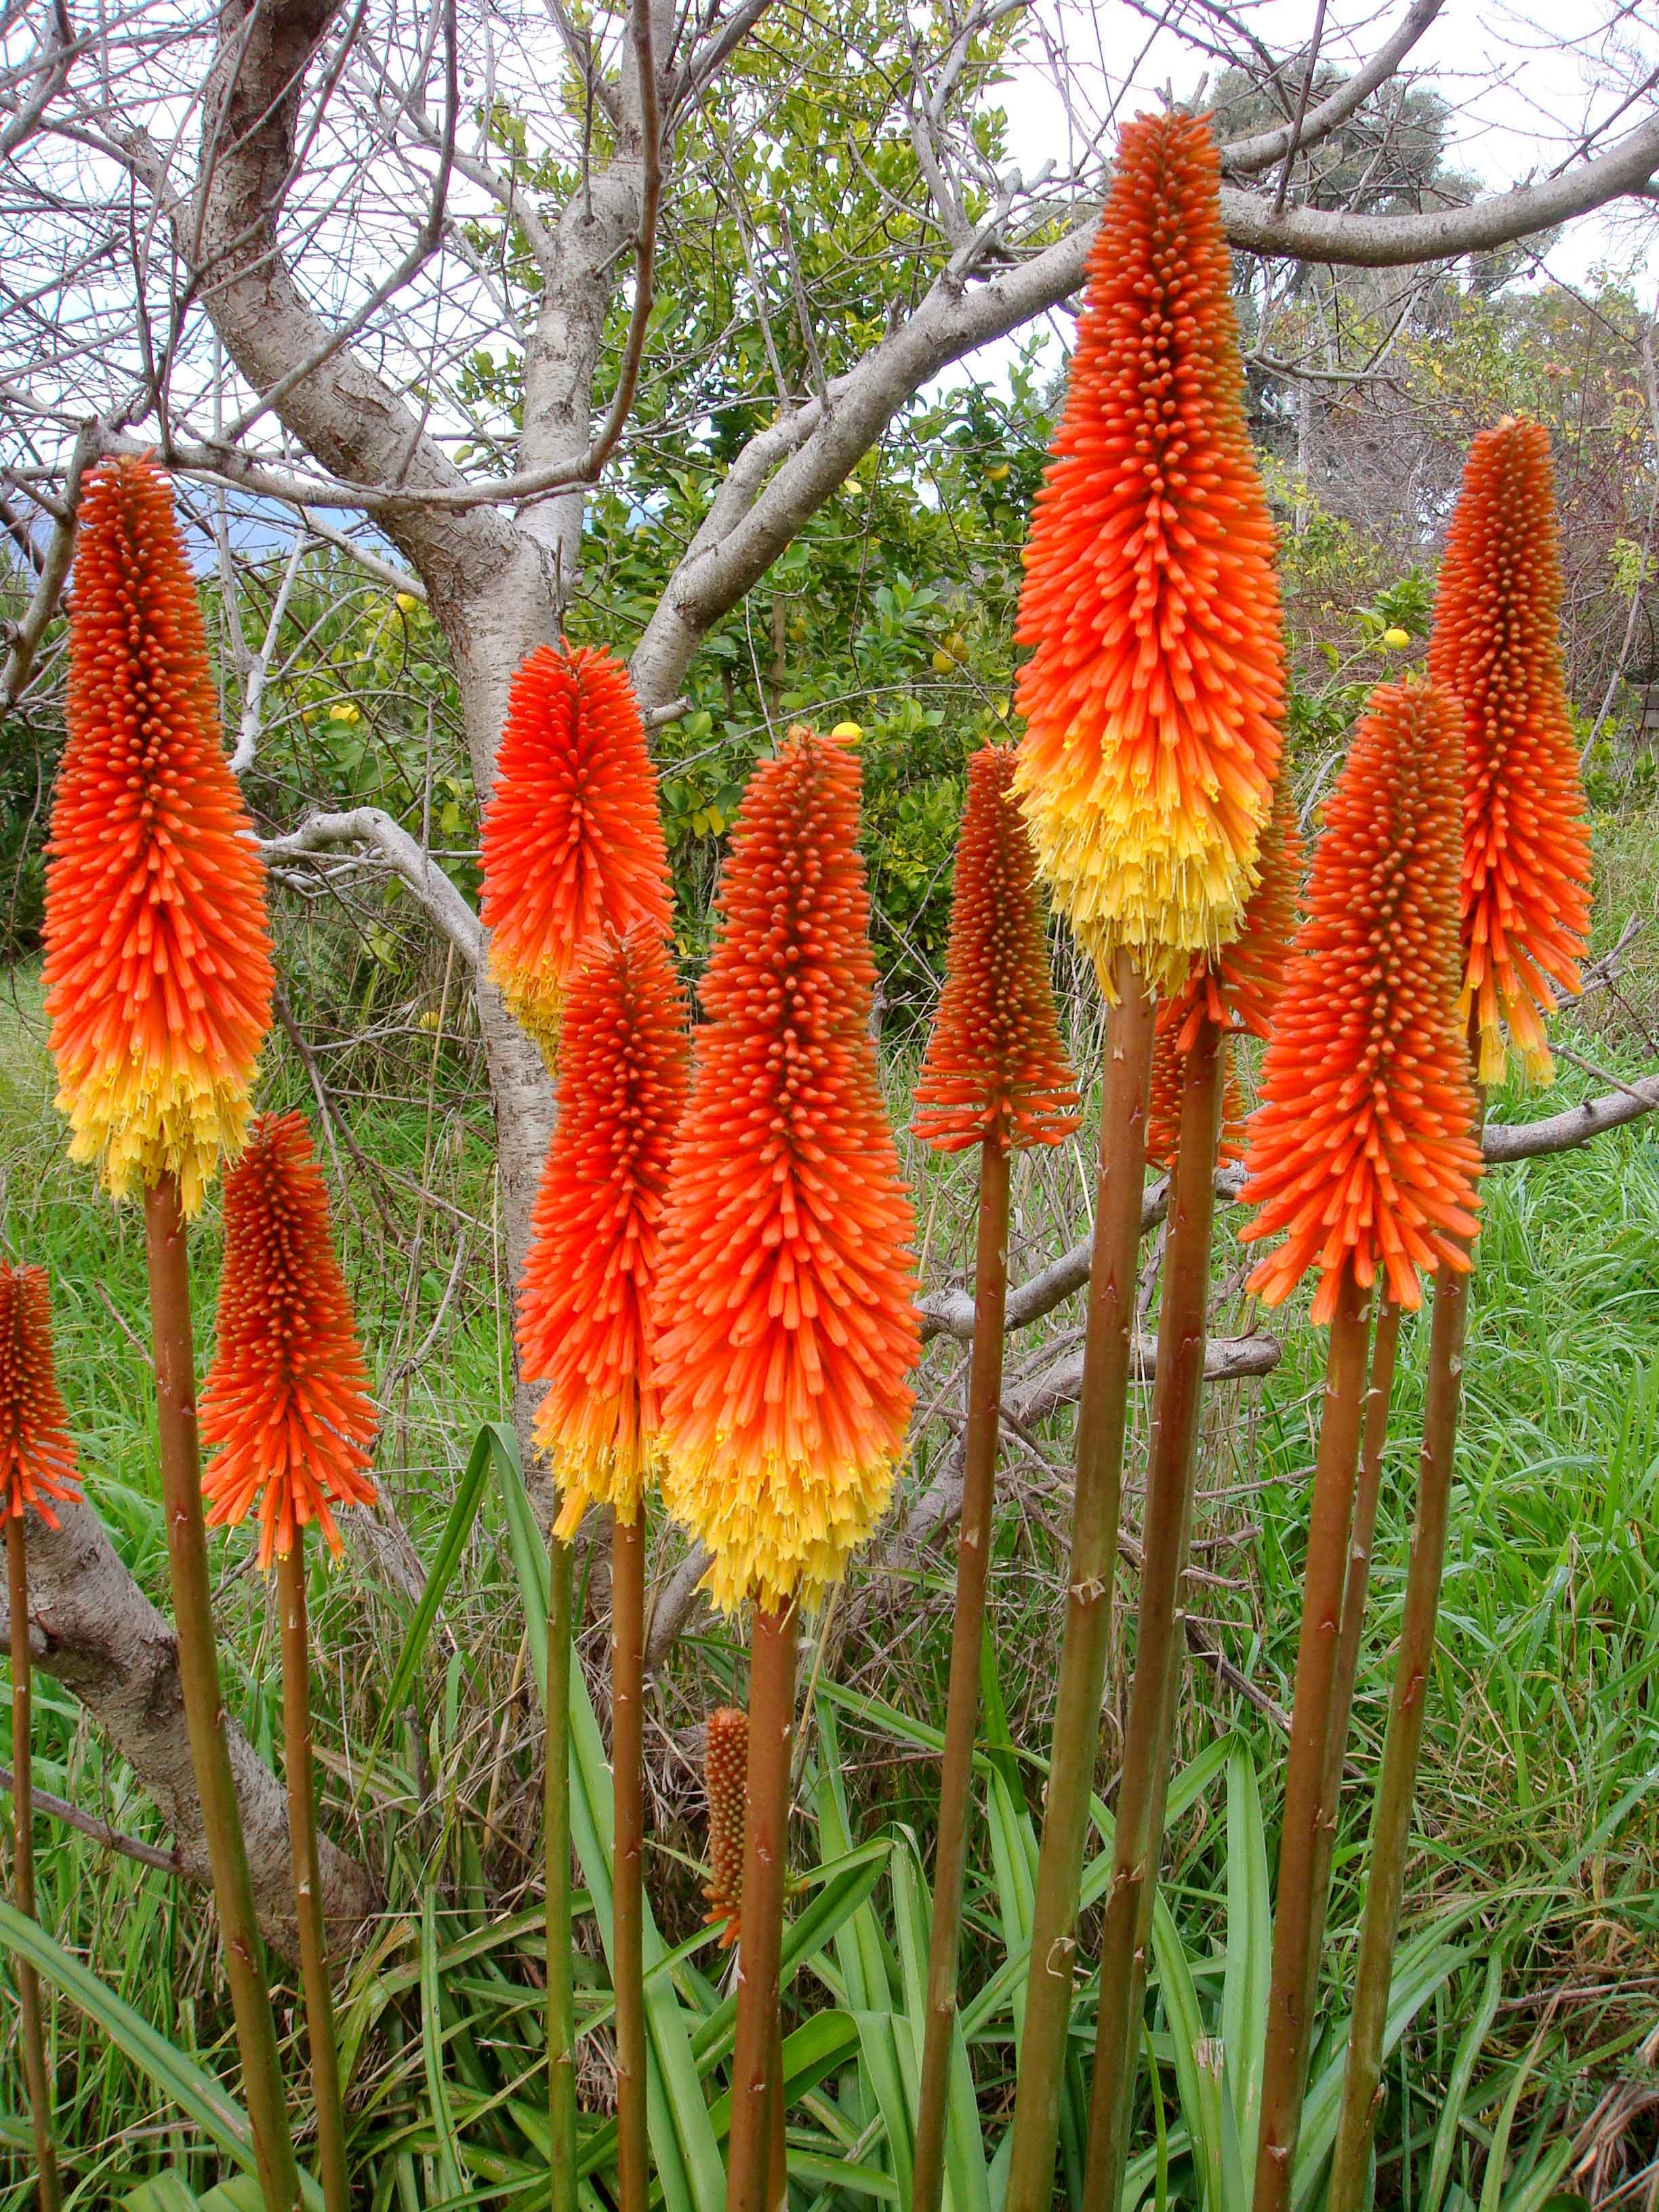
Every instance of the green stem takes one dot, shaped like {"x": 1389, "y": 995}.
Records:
{"x": 1107, "y": 1350}
{"x": 1138, "y": 1833}
{"x": 198, "y": 1683}
{"x": 1391, "y": 1819}
{"x": 22, "y": 1759}
{"x": 627, "y": 1891}
{"x": 1285, "y": 2057}
{"x": 556, "y": 1825}
{"x": 760, "y": 1946}
{"x": 308, "y": 1881}
{"x": 961, "y": 1706}
{"x": 1366, "y": 1499}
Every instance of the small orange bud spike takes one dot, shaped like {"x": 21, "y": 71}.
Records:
{"x": 157, "y": 963}
{"x": 788, "y": 1325}
{"x": 726, "y": 1777}
{"x": 1496, "y": 648}
{"x": 584, "y": 1307}
{"x": 572, "y": 841}
{"x": 1153, "y": 694}
{"x": 287, "y": 1395}
{"x": 37, "y": 1455}
{"x": 996, "y": 1072}
{"x": 1362, "y": 1148}
{"x": 1164, "y": 1105}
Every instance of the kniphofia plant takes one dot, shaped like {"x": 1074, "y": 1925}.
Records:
{"x": 158, "y": 983}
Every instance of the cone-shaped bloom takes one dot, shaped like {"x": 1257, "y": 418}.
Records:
{"x": 287, "y": 1395}
{"x": 1239, "y": 988}
{"x": 1363, "y": 1149}
{"x": 572, "y": 841}
{"x": 585, "y": 1309}
{"x": 1154, "y": 693}
{"x": 157, "y": 968}
{"x": 789, "y": 1329}
{"x": 996, "y": 1072}
{"x": 37, "y": 1456}
{"x": 1496, "y": 648}
{"x": 1164, "y": 1106}
{"x": 726, "y": 1777}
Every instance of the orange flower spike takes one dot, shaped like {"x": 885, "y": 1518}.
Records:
{"x": 1364, "y": 1148}
{"x": 1164, "y": 1105}
{"x": 789, "y": 1329}
{"x": 996, "y": 1072}
{"x": 571, "y": 838}
{"x": 1153, "y": 694}
{"x": 584, "y": 1307}
{"x": 287, "y": 1395}
{"x": 1496, "y": 648}
{"x": 726, "y": 1777}
{"x": 157, "y": 971}
{"x": 1240, "y": 987}
{"x": 37, "y": 1454}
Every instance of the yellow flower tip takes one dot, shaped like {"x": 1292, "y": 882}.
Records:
{"x": 1397, "y": 638}
{"x": 535, "y": 998}
{"x": 848, "y": 733}
{"x": 779, "y": 1532}
{"x": 603, "y": 1462}
{"x": 139, "y": 1124}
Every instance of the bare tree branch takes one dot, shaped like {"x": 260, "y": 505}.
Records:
{"x": 393, "y": 848}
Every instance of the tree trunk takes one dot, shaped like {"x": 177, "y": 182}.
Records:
{"x": 94, "y": 1630}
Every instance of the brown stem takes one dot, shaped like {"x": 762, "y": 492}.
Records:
{"x": 555, "y": 1823}
{"x": 1137, "y": 1834}
{"x": 628, "y": 1893}
{"x": 760, "y": 1946}
{"x": 961, "y": 1706}
{"x": 1101, "y": 1412}
{"x": 29, "y": 1982}
{"x": 1285, "y": 2057}
{"x": 777, "y": 2168}
{"x": 198, "y": 1679}
{"x": 1366, "y": 1498}
{"x": 1391, "y": 1820}
{"x": 307, "y": 1882}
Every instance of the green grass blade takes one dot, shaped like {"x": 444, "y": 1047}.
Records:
{"x": 1457, "y": 2083}
{"x": 442, "y": 2114}
{"x": 1249, "y": 1941}
{"x": 1212, "y": 2123}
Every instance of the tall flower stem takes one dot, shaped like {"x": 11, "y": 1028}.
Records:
{"x": 1167, "y": 1533}
{"x": 1285, "y": 2060}
{"x": 198, "y": 1681}
{"x": 555, "y": 1830}
{"x": 1384, "y": 1346}
{"x": 628, "y": 1892}
{"x": 307, "y": 1882}
{"x": 760, "y": 1946}
{"x": 1392, "y": 1818}
{"x": 22, "y": 1759}
{"x": 1107, "y": 1350}
{"x": 961, "y": 1706}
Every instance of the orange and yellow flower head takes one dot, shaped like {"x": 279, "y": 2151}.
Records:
{"x": 37, "y": 1455}
{"x": 1496, "y": 648}
{"x": 286, "y": 1397}
{"x": 726, "y": 1781}
{"x": 996, "y": 1071}
{"x": 572, "y": 841}
{"x": 585, "y": 1317}
{"x": 1363, "y": 1151}
{"x": 157, "y": 959}
{"x": 1155, "y": 687}
{"x": 789, "y": 1329}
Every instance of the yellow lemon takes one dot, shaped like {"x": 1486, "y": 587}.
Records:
{"x": 407, "y": 603}
{"x": 1396, "y": 638}
{"x": 846, "y": 733}
{"x": 997, "y": 473}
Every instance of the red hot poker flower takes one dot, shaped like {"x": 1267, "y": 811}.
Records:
{"x": 1363, "y": 1149}
{"x": 158, "y": 969}
{"x": 1496, "y": 648}
{"x": 584, "y": 1307}
{"x": 996, "y": 1072}
{"x": 572, "y": 841}
{"x": 1154, "y": 691}
{"x": 287, "y": 1395}
{"x": 789, "y": 1329}
{"x": 1164, "y": 1105}
{"x": 1240, "y": 987}
{"x": 37, "y": 1456}
{"x": 726, "y": 1779}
